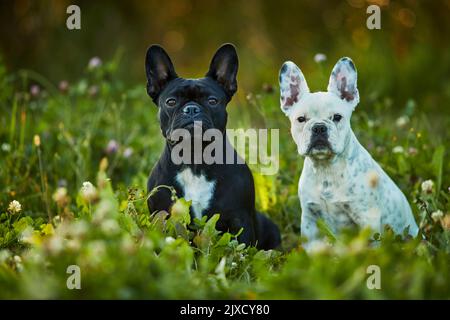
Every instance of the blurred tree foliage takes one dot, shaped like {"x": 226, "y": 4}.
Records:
{"x": 408, "y": 57}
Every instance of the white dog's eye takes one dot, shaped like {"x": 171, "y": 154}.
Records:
{"x": 337, "y": 117}
{"x": 301, "y": 119}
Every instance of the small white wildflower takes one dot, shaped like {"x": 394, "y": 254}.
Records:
{"x": 93, "y": 91}
{"x": 110, "y": 226}
{"x": 169, "y": 240}
{"x": 63, "y": 86}
{"x": 127, "y": 152}
{"x": 402, "y": 121}
{"x": 55, "y": 245}
{"x": 78, "y": 229}
{"x": 37, "y": 140}
{"x": 73, "y": 244}
{"x": 104, "y": 209}
{"x": 112, "y": 147}
{"x": 437, "y": 215}
{"x": 320, "y": 57}
{"x": 60, "y": 196}
{"x": 413, "y": 151}
{"x": 6, "y": 147}
{"x": 398, "y": 149}
{"x": 35, "y": 90}
{"x": 14, "y": 207}
{"x": 427, "y": 186}
{"x": 17, "y": 259}
{"x": 88, "y": 191}
{"x": 128, "y": 245}
{"x": 95, "y": 62}
{"x": 445, "y": 222}
{"x": 4, "y": 255}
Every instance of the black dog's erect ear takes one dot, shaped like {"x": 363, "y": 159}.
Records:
{"x": 159, "y": 70}
{"x": 224, "y": 67}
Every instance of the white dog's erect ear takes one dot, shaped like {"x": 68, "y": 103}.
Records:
{"x": 292, "y": 86}
{"x": 343, "y": 81}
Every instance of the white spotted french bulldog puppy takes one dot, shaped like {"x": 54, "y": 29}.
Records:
{"x": 340, "y": 182}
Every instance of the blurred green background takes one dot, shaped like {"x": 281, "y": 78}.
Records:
{"x": 411, "y": 47}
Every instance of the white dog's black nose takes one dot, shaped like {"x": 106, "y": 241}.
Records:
{"x": 191, "y": 110}
{"x": 319, "y": 129}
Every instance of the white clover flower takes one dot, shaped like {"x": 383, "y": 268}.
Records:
{"x": 427, "y": 186}
{"x": 6, "y": 147}
{"x": 169, "y": 240}
{"x": 413, "y": 151}
{"x": 60, "y": 196}
{"x": 437, "y": 215}
{"x": 445, "y": 222}
{"x": 127, "y": 244}
{"x": 320, "y": 57}
{"x": 78, "y": 229}
{"x": 63, "y": 86}
{"x": 95, "y": 62}
{"x": 110, "y": 226}
{"x": 398, "y": 149}
{"x": 14, "y": 207}
{"x": 112, "y": 147}
{"x": 55, "y": 245}
{"x": 402, "y": 121}
{"x": 73, "y": 244}
{"x": 127, "y": 152}
{"x": 88, "y": 191}
{"x": 35, "y": 90}
{"x": 4, "y": 255}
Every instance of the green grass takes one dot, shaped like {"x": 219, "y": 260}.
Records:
{"x": 124, "y": 252}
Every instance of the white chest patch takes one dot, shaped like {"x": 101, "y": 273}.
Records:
{"x": 196, "y": 189}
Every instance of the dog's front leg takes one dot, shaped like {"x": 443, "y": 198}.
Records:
{"x": 308, "y": 228}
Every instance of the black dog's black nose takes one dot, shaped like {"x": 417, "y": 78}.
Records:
{"x": 191, "y": 109}
{"x": 319, "y": 128}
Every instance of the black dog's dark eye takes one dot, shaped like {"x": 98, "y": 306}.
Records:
{"x": 212, "y": 101}
{"x": 171, "y": 102}
{"x": 337, "y": 117}
{"x": 301, "y": 119}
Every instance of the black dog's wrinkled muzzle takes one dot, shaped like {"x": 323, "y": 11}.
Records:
{"x": 188, "y": 117}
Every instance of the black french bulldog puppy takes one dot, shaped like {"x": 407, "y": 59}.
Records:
{"x": 227, "y": 189}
